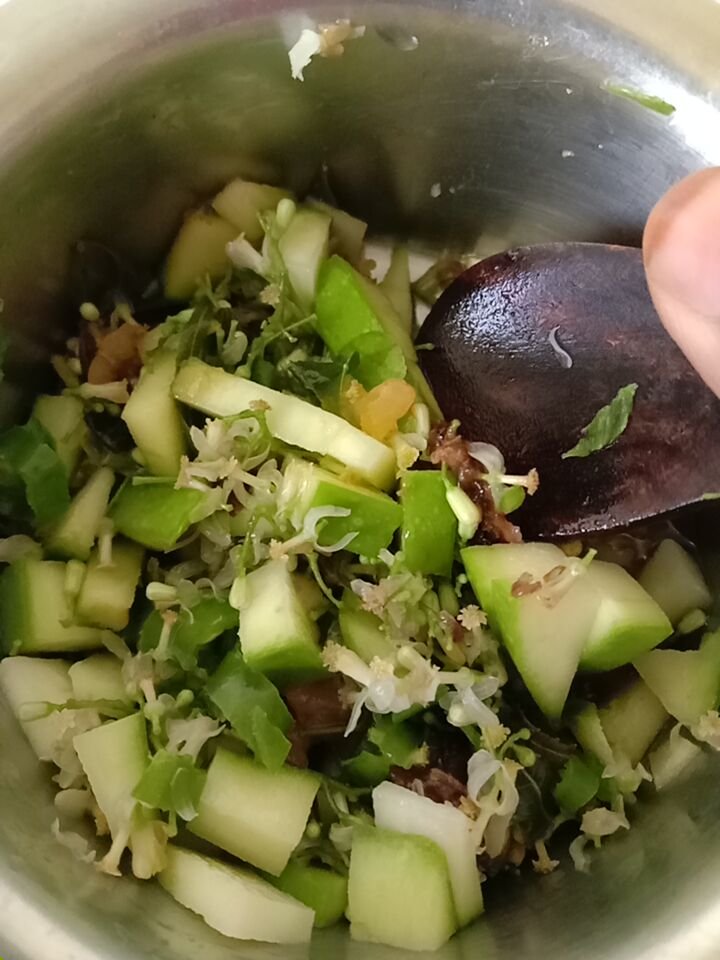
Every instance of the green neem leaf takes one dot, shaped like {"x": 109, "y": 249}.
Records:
{"x": 607, "y": 424}
{"x": 314, "y": 373}
{"x": 253, "y": 707}
{"x": 647, "y": 100}
{"x": 171, "y": 783}
{"x": 314, "y": 377}
{"x": 398, "y": 742}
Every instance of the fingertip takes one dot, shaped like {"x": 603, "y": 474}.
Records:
{"x": 681, "y": 245}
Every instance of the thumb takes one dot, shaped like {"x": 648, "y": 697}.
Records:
{"x": 681, "y": 249}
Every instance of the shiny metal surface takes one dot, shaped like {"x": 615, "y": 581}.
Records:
{"x": 117, "y": 113}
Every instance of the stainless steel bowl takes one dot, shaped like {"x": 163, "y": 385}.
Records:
{"x": 117, "y": 114}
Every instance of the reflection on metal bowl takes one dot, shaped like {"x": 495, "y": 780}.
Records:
{"x": 470, "y": 124}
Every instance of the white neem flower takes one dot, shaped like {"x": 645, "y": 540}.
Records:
{"x": 603, "y": 822}
{"x": 707, "y": 729}
{"x": 595, "y": 825}
{"x": 466, "y": 706}
{"x": 327, "y": 41}
{"x": 188, "y": 736}
{"x": 491, "y": 787}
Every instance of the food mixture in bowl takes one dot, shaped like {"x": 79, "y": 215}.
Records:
{"x": 272, "y": 622}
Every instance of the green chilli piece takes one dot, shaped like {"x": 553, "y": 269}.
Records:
{"x": 429, "y": 527}
{"x": 156, "y": 514}
{"x": 371, "y": 517}
{"x": 253, "y": 707}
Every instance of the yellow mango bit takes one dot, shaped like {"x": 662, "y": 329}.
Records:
{"x": 383, "y": 406}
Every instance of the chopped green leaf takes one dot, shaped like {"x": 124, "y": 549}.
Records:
{"x": 388, "y": 744}
{"x": 270, "y": 745}
{"x": 372, "y": 369}
{"x": 647, "y": 100}
{"x": 288, "y": 330}
{"x": 710, "y": 496}
{"x": 399, "y": 742}
{"x": 30, "y": 465}
{"x": 184, "y": 333}
{"x": 578, "y": 785}
{"x": 366, "y": 769}
{"x": 253, "y": 707}
{"x": 213, "y": 318}
{"x": 408, "y": 714}
{"x": 263, "y": 372}
{"x": 607, "y": 424}
{"x": 171, "y": 783}
{"x": 608, "y": 791}
{"x": 315, "y": 377}
{"x": 193, "y": 630}
{"x": 46, "y": 484}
